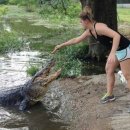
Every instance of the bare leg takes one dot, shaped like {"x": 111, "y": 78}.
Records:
{"x": 125, "y": 67}
{"x": 110, "y": 67}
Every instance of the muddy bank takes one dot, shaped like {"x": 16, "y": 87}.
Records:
{"x": 77, "y": 102}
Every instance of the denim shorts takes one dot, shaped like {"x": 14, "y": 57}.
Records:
{"x": 123, "y": 54}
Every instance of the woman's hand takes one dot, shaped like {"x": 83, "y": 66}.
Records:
{"x": 111, "y": 57}
{"x": 56, "y": 48}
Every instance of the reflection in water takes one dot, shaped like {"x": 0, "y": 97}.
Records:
{"x": 35, "y": 119}
{"x": 11, "y": 119}
{"x": 24, "y": 26}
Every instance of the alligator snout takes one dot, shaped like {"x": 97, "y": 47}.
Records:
{"x": 39, "y": 85}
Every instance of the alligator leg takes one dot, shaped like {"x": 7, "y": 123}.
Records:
{"x": 24, "y": 104}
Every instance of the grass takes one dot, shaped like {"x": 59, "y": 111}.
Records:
{"x": 9, "y": 42}
{"x": 32, "y": 70}
{"x": 124, "y": 21}
{"x": 123, "y": 15}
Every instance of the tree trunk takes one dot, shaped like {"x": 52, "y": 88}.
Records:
{"x": 104, "y": 11}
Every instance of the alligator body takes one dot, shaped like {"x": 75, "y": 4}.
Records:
{"x": 31, "y": 92}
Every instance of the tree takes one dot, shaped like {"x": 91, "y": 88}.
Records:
{"x": 104, "y": 11}
{"x": 56, "y": 4}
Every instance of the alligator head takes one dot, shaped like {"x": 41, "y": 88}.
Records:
{"x": 38, "y": 86}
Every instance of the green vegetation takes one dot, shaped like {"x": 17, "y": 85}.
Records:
{"x": 32, "y": 70}
{"x": 67, "y": 59}
{"x": 3, "y": 1}
{"x": 124, "y": 21}
{"x": 57, "y": 16}
{"x": 50, "y": 38}
{"x": 29, "y": 4}
{"x": 3, "y": 10}
{"x": 13, "y": 2}
{"x": 9, "y": 42}
{"x": 124, "y": 15}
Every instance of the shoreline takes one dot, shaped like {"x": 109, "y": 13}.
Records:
{"x": 81, "y": 108}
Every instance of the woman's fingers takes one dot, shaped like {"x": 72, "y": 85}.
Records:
{"x": 55, "y": 49}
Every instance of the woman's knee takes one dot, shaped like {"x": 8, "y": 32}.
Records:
{"x": 109, "y": 69}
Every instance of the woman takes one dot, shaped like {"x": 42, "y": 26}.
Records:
{"x": 118, "y": 44}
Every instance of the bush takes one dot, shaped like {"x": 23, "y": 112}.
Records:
{"x": 32, "y": 70}
{"x": 68, "y": 61}
{"x": 57, "y": 15}
{"x": 74, "y": 10}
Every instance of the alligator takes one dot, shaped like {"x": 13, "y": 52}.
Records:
{"x": 26, "y": 95}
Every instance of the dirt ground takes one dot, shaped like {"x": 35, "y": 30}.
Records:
{"x": 88, "y": 112}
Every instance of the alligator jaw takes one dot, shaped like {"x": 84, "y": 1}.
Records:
{"x": 44, "y": 72}
{"x": 51, "y": 78}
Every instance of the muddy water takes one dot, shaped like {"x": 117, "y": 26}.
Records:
{"x": 35, "y": 119}
{"x": 12, "y": 73}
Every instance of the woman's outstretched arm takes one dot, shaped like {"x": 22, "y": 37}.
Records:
{"x": 72, "y": 41}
